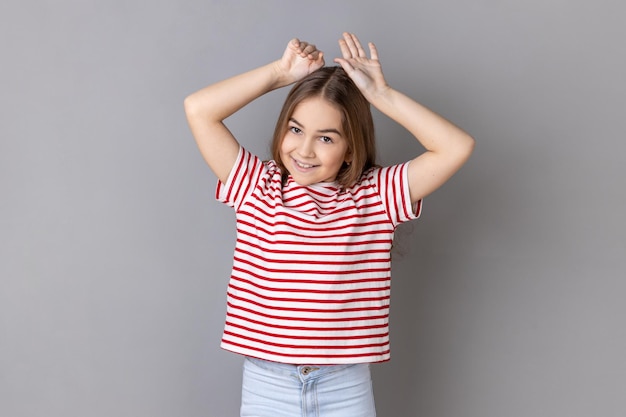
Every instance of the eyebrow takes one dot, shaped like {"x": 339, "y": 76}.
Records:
{"x": 330, "y": 130}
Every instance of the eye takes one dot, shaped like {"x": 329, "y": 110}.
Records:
{"x": 326, "y": 139}
{"x": 294, "y": 129}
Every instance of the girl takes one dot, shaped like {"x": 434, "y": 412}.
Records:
{"x": 308, "y": 298}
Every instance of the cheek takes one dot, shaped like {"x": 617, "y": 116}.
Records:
{"x": 286, "y": 143}
{"x": 283, "y": 149}
{"x": 281, "y": 146}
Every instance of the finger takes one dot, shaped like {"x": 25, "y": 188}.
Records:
{"x": 345, "y": 64}
{"x": 314, "y": 55}
{"x": 358, "y": 46}
{"x": 373, "y": 51}
{"x": 309, "y": 49}
{"x": 345, "y": 51}
{"x": 354, "y": 52}
{"x": 292, "y": 46}
{"x": 320, "y": 58}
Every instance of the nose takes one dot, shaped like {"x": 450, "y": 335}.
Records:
{"x": 306, "y": 148}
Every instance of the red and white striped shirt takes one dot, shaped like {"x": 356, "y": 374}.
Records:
{"x": 311, "y": 273}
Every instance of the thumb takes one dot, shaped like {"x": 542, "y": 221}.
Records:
{"x": 348, "y": 68}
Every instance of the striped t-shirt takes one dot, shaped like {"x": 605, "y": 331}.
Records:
{"x": 311, "y": 273}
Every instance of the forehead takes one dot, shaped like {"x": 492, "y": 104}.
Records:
{"x": 318, "y": 114}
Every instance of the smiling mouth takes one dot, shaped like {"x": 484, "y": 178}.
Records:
{"x": 301, "y": 165}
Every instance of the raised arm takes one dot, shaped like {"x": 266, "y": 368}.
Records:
{"x": 207, "y": 108}
{"x": 447, "y": 146}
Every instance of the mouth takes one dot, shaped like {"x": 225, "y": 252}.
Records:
{"x": 302, "y": 166}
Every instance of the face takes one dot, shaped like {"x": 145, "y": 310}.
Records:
{"x": 314, "y": 148}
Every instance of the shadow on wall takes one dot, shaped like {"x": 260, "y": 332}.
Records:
{"x": 435, "y": 292}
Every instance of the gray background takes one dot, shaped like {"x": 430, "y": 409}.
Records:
{"x": 507, "y": 294}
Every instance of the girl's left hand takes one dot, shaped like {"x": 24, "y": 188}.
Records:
{"x": 366, "y": 72}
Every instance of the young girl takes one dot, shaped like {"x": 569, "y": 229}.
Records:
{"x": 308, "y": 298}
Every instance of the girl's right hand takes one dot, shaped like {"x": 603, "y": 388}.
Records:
{"x": 299, "y": 60}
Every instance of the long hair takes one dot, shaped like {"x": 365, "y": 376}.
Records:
{"x": 335, "y": 86}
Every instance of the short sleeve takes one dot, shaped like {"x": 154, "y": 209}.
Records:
{"x": 393, "y": 186}
{"x": 241, "y": 180}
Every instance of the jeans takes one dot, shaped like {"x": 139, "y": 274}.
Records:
{"x": 272, "y": 389}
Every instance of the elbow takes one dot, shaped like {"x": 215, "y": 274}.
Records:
{"x": 465, "y": 149}
{"x": 471, "y": 144}
{"x": 198, "y": 108}
{"x": 190, "y": 105}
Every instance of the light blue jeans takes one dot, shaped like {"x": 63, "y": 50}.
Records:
{"x": 273, "y": 389}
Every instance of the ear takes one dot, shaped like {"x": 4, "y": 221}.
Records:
{"x": 348, "y": 158}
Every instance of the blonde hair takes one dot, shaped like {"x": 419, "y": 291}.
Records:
{"x": 334, "y": 85}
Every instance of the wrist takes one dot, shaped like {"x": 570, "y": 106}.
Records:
{"x": 280, "y": 77}
{"x": 382, "y": 96}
